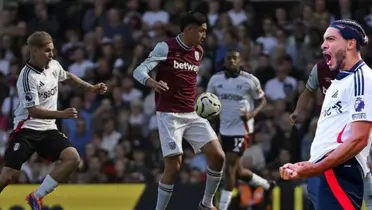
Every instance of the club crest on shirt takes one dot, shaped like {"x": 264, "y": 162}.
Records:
{"x": 359, "y": 104}
{"x": 172, "y": 145}
{"x": 28, "y": 96}
{"x": 197, "y": 55}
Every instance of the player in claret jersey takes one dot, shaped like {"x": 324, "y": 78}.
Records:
{"x": 343, "y": 137}
{"x": 177, "y": 63}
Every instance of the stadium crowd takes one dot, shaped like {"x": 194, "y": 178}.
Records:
{"x": 104, "y": 40}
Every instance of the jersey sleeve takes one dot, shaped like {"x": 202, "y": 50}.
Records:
{"x": 312, "y": 82}
{"x": 62, "y": 74}
{"x": 361, "y": 98}
{"x": 27, "y": 90}
{"x": 256, "y": 91}
{"x": 158, "y": 54}
{"x": 210, "y": 87}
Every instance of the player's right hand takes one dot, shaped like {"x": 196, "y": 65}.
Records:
{"x": 70, "y": 113}
{"x": 158, "y": 86}
{"x": 293, "y": 117}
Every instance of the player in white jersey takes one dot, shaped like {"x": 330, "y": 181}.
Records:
{"x": 34, "y": 123}
{"x": 322, "y": 81}
{"x": 237, "y": 91}
{"x": 339, "y": 151}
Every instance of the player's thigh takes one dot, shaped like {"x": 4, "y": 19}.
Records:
{"x": 171, "y": 129}
{"x": 19, "y": 149}
{"x": 234, "y": 145}
{"x": 199, "y": 132}
{"x": 341, "y": 187}
{"x": 52, "y": 144}
{"x": 368, "y": 191}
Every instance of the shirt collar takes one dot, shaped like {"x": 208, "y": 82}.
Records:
{"x": 343, "y": 74}
{"x": 181, "y": 43}
{"x": 34, "y": 68}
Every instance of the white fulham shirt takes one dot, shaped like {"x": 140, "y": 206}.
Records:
{"x": 38, "y": 87}
{"x": 348, "y": 99}
{"x": 235, "y": 93}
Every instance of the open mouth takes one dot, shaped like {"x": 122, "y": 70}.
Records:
{"x": 328, "y": 58}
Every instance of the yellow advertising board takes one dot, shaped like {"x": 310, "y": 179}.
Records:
{"x": 77, "y": 197}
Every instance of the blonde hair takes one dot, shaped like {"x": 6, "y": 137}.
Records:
{"x": 39, "y": 39}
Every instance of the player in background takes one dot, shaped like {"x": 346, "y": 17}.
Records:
{"x": 321, "y": 77}
{"x": 342, "y": 141}
{"x": 237, "y": 91}
{"x": 177, "y": 62}
{"x": 34, "y": 123}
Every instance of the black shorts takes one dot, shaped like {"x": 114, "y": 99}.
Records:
{"x": 23, "y": 143}
{"x": 234, "y": 144}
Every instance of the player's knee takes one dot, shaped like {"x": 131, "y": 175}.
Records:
{"x": 71, "y": 156}
{"x": 173, "y": 164}
{"x": 231, "y": 162}
{"x": 231, "y": 159}
{"x": 217, "y": 159}
{"x": 8, "y": 175}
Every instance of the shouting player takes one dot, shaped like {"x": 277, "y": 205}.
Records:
{"x": 237, "y": 91}
{"x": 341, "y": 145}
{"x": 34, "y": 123}
{"x": 321, "y": 77}
{"x": 177, "y": 63}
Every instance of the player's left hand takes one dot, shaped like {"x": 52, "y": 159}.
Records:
{"x": 100, "y": 88}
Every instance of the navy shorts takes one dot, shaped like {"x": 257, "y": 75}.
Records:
{"x": 340, "y": 188}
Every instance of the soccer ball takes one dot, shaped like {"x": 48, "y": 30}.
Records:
{"x": 208, "y": 105}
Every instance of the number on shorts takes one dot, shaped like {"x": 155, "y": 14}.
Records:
{"x": 238, "y": 143}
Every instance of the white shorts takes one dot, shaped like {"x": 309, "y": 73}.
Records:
{"x": 173, "y": 127}
{"x": 368, "y": 191}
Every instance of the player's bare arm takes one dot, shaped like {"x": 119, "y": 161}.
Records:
{"x": 358, "y": 140}
{"x": 306, "y": 96}
{"x": 261, "y": 105}
{"x": 141, "y": 73}
{"x": 41, "y": 113}
{"x": 360, "y": 131}
{"x": 100, "y": 88}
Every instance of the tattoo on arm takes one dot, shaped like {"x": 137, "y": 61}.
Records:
{"x": 78, "y": 82}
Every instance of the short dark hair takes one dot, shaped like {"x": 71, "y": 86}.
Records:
{"x": 192, "y": 18}
{"x": 232, "y": 50}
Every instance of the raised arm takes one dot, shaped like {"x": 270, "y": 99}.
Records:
{"x": 79, "y": 83}
{"x": 75, "y": 80}
{"x": 141, "y": 73}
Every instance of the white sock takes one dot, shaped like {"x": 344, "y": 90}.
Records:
{"x": 259, "y": 181}
{"x": 225, "y": 199}
{"x": 211, "y": 186}
{"x": 164, "y": 195}
{"x": 48, "y": 185}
